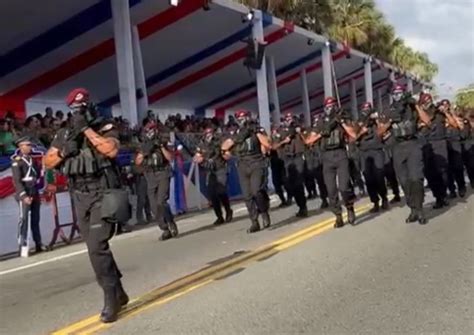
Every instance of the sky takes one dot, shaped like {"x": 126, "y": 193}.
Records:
{"x": 444, "y": 29}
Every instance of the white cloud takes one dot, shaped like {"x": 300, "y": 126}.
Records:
{"x": 442, "y": 29}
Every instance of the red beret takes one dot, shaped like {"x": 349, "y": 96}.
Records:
{"x": 77, "y": 96}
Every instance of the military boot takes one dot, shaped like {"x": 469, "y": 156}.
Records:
{"x": 302, "y": 213}
{"x": 111, "y": 305}
{"x": 375, "y": 208}
{"x": 339, "y": 221}
{"x": 173, "y": 228}
{"x": 266, "y": 220}
{"x": 254, "y": 227}
{"x": 351, "y": 216}
{"x": 229, "y": 215}
{"x": 219, "y": 221}
{"x": 413, "y": 217}
{"x": 385, "y": 204}
{"x": 122, "y": 295}
{"x": 324, "y": 203}
{"x": 166, "y": 235}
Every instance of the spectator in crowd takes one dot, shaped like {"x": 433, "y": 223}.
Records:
{"x": 7, "y": 135}
{"x": 32, "y": 129}
{"x": 60, "y": 115}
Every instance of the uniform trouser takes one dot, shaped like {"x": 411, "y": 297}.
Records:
{"x": 435, "y": 157}
{"x": 96, "y": 233}
{"x": 143, "y": 202}
{"x": 253, "y": 182}
{"x": 294, "y": 167}
{"x": 309, "y": 178}
{"x": 217, "y": 190}
{"x": 355, "y": 170}
{"x": 372, "y": 162}
{"x": 456, "y": 167}
{"x": 468, "y": 158}
{"x": 278, "y": 178}
{"x": 408, "y": 164}
{"x": 336, "y": 171}
{"x": 25, "y": 211}
{"x": 318, "y": 173}
{"x": 158, "y": 183}
{"x": 390, "y": 172}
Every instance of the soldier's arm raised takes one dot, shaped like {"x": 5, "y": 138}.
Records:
{"x": 349, "y": 130}
{"x": 264, "y": 141}
{"x": 107, "y": 146}
{"x": 52, "y": 158}
{"x": 425, "y": 118}
{"x": 312, "y": 138}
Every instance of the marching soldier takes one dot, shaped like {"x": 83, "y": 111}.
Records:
{"x": 25, "y": 175}
{"x": 210, "y": 156}
{"x": 292, "y": 148}
{"x": 156, "y": 156}
{"x": 86, "y": 154}
{"x": 372, "y": 157}
{"x": 278, "y": 171}
{"x": 402, "y": 121}
{"x": 250, "y": 143}
{"x": 332, "y": 131}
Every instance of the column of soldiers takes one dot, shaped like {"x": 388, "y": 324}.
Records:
{"x": 393, "y": 147}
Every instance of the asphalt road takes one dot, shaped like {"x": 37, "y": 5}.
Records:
{"x": 381, "y": 277}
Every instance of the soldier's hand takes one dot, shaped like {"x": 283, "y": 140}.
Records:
{"x": 28, "y": 200}
{"x": 227, "y": 155}
{"x": 286, "y": 140}
{"x": 79, "y": 122}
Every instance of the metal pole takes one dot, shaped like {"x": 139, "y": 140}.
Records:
{"x": 305, "y": 98}
{"x": 369, "y": 94}
{"x": 262, "y": 85}
{"x": 124, "y": 55}
{"x": 273, "y": 91}
{"x": 142, "y": 101}
{"x": 354, "y": 104}
{"x": 327, "y": 72}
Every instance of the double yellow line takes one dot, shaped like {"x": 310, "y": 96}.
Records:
{"x": 201, "y": 278}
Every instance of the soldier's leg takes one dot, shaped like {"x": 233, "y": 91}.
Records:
{"x": 323, "y": 192}
{"x": 330, "y": 175}
{"x": 141, "y": 198}
{"x": 468, "y": 158}
{"x": 379, "y": 165}
{"x": 277, "y": 179}
{"x": 258, "y": 186}
{"x": 212, "y": 189}
{"x": 368, "y": 168}
{"x": 222, "y": 193}
{"x": 309, "y": 181}
{"x": 35, "y": 221}
{"x": 415, "y": 177}
{"x": 163, "y": 193}
{"x": 345, "y": 185}
{"x": 391, "y": 176}
{"x": 298, "y": 171}
{"x": 23, "y": 223}
{"x": 440, "y": 150}
{"x": 244, "y": 179}
{"x": 400, "y": 157}
{"x": 457, "y": 167}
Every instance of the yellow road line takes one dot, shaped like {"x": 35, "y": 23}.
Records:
{"x": 200, "y": 278}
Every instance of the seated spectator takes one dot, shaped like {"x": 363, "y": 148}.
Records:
{"x": 7, "y": 135}
{"x": 32, "y": 129}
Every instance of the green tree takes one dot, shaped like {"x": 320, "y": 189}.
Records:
{"x": 465, "y": 97}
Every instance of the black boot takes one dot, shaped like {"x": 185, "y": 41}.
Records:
{"x": 452, "y": 195}
{"x": 375, "y": 208}
{"x": 41, "y": 248}
{"x": 396, "y": 199}
{"x": 421, "y": 218}
{"x": 173, "y": 229}
{"x": 462, "y": 192}
{"x": 266, "y": 220}
{"x": 440, "y": 203}
{"x": 122, "y": 295}
{"x": 385, "y": 204}
{"x": 111, "y": 305}
{"x": 413, "y": 217}
{"x": 339, "y": 221}
{"x": 351, "y": 216}
{"x": 229, "y": 215}
{"x": 255, "y": 227}
{"x": 302, "y": 213}
{"x": 324, "y": 203}
{"x": 166, "y": 235}
{"x": 219, "y": 221}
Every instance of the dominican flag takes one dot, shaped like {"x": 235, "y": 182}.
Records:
{"x": 6, "y": 180}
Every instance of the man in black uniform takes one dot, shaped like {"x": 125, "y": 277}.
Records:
{"x": 315, "y": 164}
{"x": 372, "y": 157}
{"x": 332, "y": 131}
{"x": 156, "y": 156}
{"x": 435, "y": 150}
{"x": 86, "y": 155}
{"x": 402, "y": 121}
{"x": 467, "y": 135}
{"x": 292, "y": 147}
{"x": 25, "y": 175}
{"x": 455, "y": 163}
{"x": 250, "y": 143}
{"x": 143, "y": 201}
{"x": 277, "y": 166}
{"x": 209, "y": 155}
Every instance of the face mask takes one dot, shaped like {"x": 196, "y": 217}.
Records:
{"x": 397, "y": 96}
{"x": 241, "y": 121}
{"x": 208, "y": 138}
{"x": 329, "y": 110}
{"x": 288, "y": 122}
